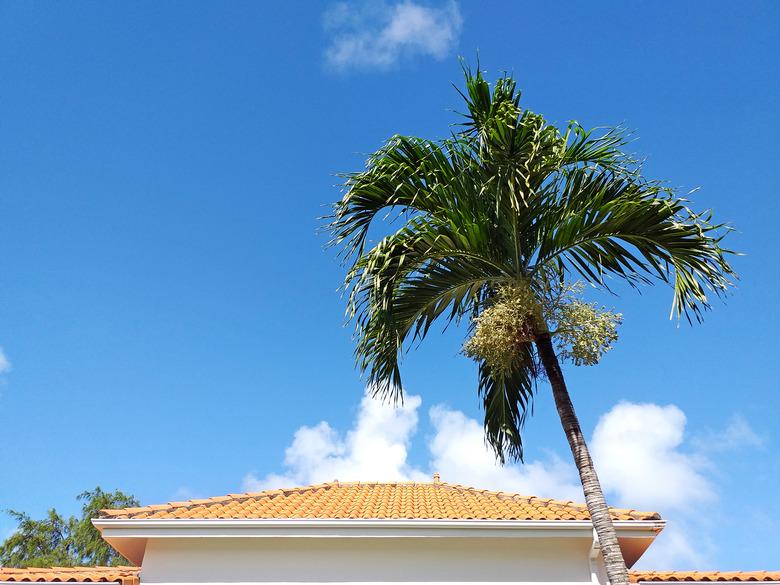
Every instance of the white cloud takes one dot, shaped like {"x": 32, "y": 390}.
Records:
{"x": 377, "y": 34}
{"x": 185, "y": 493}
{"x": 459, "y": 453}
{"x": 636, "y": 449}
{"x": 5, "y": 364}
{"x": 643, "y": 462}
{"x": 677, "y": 549}
{"x": 376, "y": 449}
{"x": 640, "y": 450}
{"x": 737, "y": 435}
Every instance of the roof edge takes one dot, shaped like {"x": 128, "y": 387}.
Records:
{"x": 704, "y": 576}
{"x": 121, "y": 574}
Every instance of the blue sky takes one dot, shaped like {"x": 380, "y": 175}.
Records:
{"x": 169, "y": 320}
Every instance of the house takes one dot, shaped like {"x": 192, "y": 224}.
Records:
{"x": 378, "y": 533}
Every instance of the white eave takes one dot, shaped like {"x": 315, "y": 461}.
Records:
{"x": 129, "y": 536}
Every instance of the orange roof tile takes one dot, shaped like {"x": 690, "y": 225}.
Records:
{"x": 373, "y": 500}
{"x": 130, "y": 575}
{"x": 123, "y": 575}
{"x": 703, "y": 576}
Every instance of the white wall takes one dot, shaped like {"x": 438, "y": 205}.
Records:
{"x": 375, "y": 560}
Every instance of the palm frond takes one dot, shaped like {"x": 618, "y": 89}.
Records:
{"x": 407, "y": 175}
{"x": 603, "y": 150}
{"x": 507, "y": 398}
{"x": 424, "y": 272}
{"x": 605, "y": 225}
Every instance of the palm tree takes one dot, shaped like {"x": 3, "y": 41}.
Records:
{"x": 512, "y": 203}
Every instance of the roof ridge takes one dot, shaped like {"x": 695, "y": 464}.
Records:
{"x": 516, "y": 496}
{"x": 273, "y": 492}
{"x": 312, "y": 487}
{"x": 436, "y": 486}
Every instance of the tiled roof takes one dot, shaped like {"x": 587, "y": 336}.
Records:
{"x": 130, "y": 575}
{"x": 434, "y": 501}
{"x": 123, "y": 575}
{"x": 704, "y": 576}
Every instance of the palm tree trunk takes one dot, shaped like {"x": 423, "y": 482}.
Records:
{"x": 594, "y": 496}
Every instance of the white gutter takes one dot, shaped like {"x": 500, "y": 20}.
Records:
{"x": 593, "y": 556}
{"x": 174, "y": 527}
{"x": 362, "y": 522}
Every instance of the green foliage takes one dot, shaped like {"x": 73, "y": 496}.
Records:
{"x": 90, "y": 547}
{"x": 511, "y": 201}
{"x": 57, "y": 541}
{"x": 38, "y": 543}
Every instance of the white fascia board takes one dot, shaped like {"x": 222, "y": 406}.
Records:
{"x": 182, "y": 528}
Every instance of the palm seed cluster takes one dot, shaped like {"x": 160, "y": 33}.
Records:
{"x": 582, "y": 331}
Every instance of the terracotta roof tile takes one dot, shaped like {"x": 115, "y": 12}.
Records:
{"x": 130, "y": 575}
{"x": 703, "y": 576}
{"x": 123, "y": 575}
{"x": 373, "y": 500}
